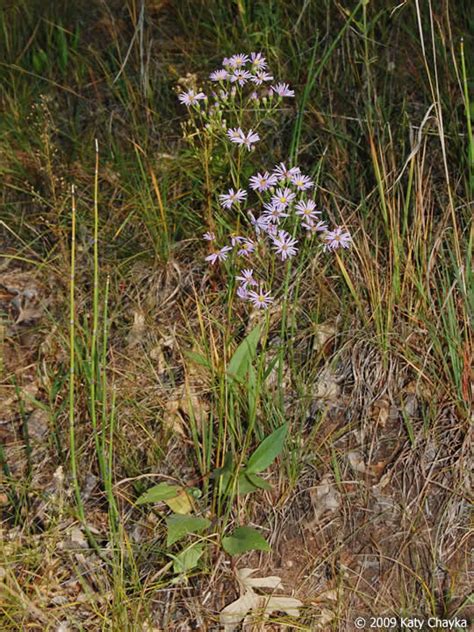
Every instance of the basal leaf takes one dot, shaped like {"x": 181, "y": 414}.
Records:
{"x": 245, "y": 485}
{"x": 268, "y": 450}
{"x": 244, "y": 539}
{"x": 257, "y": 481}
{"x": 181, "y": 526}
{"x": 249, "y": 483}
{"x": 182, "y": 503}
{"x": 188, "y": 559}
{"x": 226, "y": 466}
{"x": 162, "y": 491}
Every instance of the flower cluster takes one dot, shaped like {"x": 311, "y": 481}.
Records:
{"x": 243, "y": 82}
{"x": 283, "y": 195}
{"x": 287, "y": 210}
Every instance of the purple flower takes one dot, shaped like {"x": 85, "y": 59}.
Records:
{"x": 283, "y": 90}
{"x": 251, "y": 138}
{"x": 314, "y": 227}
{"x": 302, "y": 182}
{"x": 228, "y": 199}
{"x": 190, "y": 97}
{"x": 242, "y": 292}
{"x": 219, "y": 75}
{"x": 274, "y": 212}
{"x": 248, "y": 247}
{"x": 236, "y": 239}
{"x": 306, "y": 208}
{"x": 239, "y": 60}
{"x": 246, "y": 277}
{"x": 271, "y": 229}
{"x": 285, "y": 245}
{"x": 260, "y": 224}
{"x": 337, "y": 238}
{"x": 262, "y": 182}
{"x": 283, "y": 197}
{"x": 220, "y": 255}
{"x": 283, "y": 173}
{"x": 258, "y": 60}
{"x": 241, "y": 76}
{"x": 260, "y": 76}
{"x": 209, "y": 236}
{"x": 260, "y": 299}
{"x": 236, "y": 135}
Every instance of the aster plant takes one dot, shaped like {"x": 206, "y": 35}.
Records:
{"x": 275, "y": 209}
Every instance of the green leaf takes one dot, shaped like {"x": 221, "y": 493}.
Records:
{"x": 226, "y": 466}
{"x": 244, "y": 539}
{"x": 271, "y": 366}
{"x": 159, "y": 492}
{"x": 249, "y": 483}
{"x": 197, "y": 358}
{"x": 243, "y": 355}
{"x": 252, "y": 390}
{"x": 257, "y": 481}
{"x": 245, "y": 485}
{"x": 188, "y": 558}
{"x": 180, "y": 526}
{"x": 224, "y": 473}
{"x": 182, "y": 503}
{"x": 267, "y": 451}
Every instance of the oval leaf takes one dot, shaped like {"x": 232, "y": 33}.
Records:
{"x": 267, "y": 451}
{"x": 182, "y": 503}
{"x": 257, "y": 481}
{"x": 159, "y": 492}
{"x": 244, "y": 539}
{"x": 187, "y": 559}
{"x": 181, "y": 526}
{"x": 245, "y": 485}
{"x": 249, "y": 483}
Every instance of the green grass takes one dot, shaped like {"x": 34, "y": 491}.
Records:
{"x": 382, "y": 121}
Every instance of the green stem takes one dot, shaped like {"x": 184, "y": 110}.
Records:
{"x": 95, "y": 323}
{"x": 72, "y": 355}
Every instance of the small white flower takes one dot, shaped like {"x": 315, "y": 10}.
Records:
{"x": 220, "y": 255}
{"x": 337, "y": 238}
{"x": 219, "y": 75}
{"x": 191, "y": 98}
{"x": 282, "y": 198}
{"x": 306, "y": 208}
{"x": 258, "y": 60}
{"x": 228, "y": 199}
{"x": 302, "y": 182}
{"x": 285, "y": 245}
{"x": 246, "y": 277}
{"x": 283, "y": 173}
{"x": 283, "y": 90}
{"x": 260, "y": 298}
{"x": 260, "y": 76}
{"x": 237, "y": 61}
{"x": 262, "y": 182}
